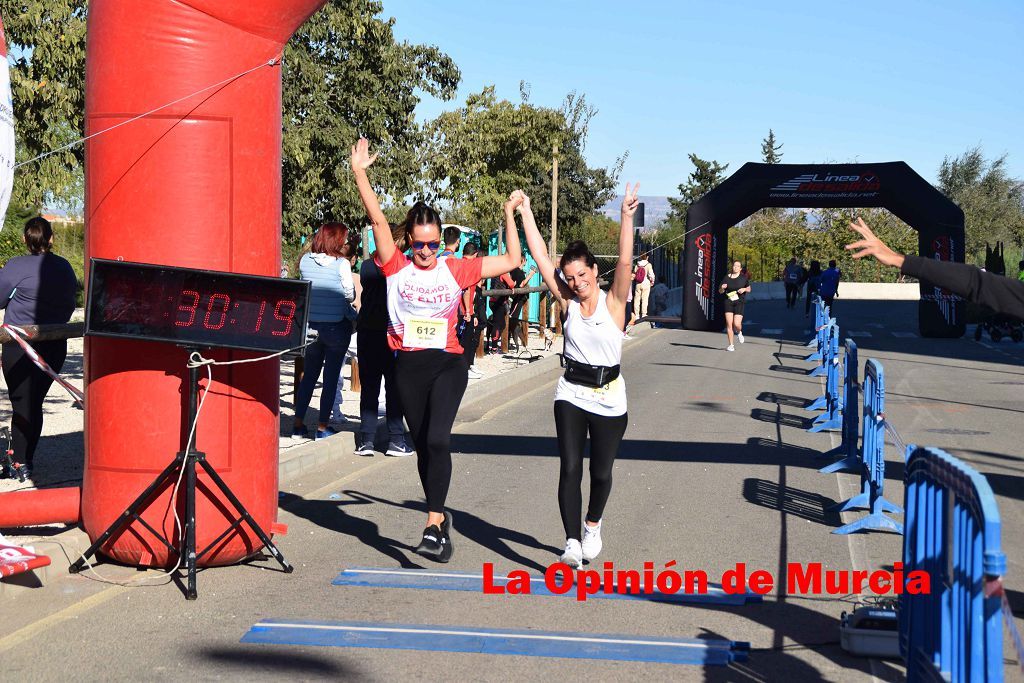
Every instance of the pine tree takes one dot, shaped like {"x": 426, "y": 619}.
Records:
{"x": 704, "y": 178}
{"x": 770, "y": 151}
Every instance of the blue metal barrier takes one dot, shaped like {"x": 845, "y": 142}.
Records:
{"x": 872, "y": 464}
{"x": 851, "y": 416}
{"x": 821, "y": 316}
{"x": 832, "y": 418}
{"x": 819, "y": 340}
{"x": 954, "y": 633}
{"x": 820, "y": 403}
{"x": 823, "y": 347}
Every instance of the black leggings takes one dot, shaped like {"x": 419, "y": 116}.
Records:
{"x": 809, "y": 300}
{"x": 27, "y": 386}
{"x": 571, "y": 424}
{"x": 431, "y": 384}
{"x": 470, "y": 339}
{"x": 792, "y": 290}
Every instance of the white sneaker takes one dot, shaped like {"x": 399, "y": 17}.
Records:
{"x": 739, "y": 335}
{"x": 591, "y": 541}
{"x": 730, "y": 347}
{"x": 573, "y": 555}
{"x": 473, "y": 373}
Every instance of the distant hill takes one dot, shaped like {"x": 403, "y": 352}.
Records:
{"x": 655, "y": 210}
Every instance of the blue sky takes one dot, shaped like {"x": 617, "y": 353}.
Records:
{"x": 838, "y": 82}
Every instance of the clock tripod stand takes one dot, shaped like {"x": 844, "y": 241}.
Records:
{"x": 186, "y": 460}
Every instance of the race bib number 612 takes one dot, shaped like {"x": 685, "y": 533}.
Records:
{"x": 425, "y": 333}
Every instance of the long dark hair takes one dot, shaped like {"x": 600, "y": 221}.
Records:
{"x": 577, "y": 251}
{"x": 815, "y": 269}
{"x": 421, "y": 213}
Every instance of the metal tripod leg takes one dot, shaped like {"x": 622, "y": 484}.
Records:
{"x": 264, "y": 538}
{"x": 133, "y": 512}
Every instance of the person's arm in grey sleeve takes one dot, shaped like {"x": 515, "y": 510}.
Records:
{"x": 999, "y": 293}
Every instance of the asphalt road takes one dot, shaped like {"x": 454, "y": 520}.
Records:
{"x": 715, "y": 469}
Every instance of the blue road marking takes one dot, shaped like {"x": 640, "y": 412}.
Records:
{"x": 459, "y": 581}
{"x": 628, "y": 648}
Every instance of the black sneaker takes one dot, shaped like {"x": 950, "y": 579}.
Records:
{"x": 447, "y": 548}
{"x": 430, "y": 545}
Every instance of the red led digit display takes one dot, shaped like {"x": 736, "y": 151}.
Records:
{"x": 195, "y": 307}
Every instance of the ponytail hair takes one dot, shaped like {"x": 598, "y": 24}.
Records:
{"x": 421, "y": 213}
{"x": 577, "y": 251}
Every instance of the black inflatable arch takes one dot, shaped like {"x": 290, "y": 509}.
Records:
{"x": 893, "y": 185}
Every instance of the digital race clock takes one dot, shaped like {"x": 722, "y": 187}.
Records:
{"x": 202, "y": 308}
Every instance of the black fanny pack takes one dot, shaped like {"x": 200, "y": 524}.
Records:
{"x": 595, "y": 376}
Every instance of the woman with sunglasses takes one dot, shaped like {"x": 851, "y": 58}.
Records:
{"x": 591, "y": 396}
{"x": 423, "y": 305}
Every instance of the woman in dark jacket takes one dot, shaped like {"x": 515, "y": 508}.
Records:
{"x": 813, "y": 285}
{"x": 36, "y": 289}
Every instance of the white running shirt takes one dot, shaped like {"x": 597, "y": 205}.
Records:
{"x": 596, "y": 340}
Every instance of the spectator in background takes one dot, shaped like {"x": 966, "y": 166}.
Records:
{"x": 36, "y": 289}
{"x": 473, "y": 311}
{"x": 830, "y": 283}
{"x": 499, "y": 311}
{"x": 813, "y": 286}
{"x": 330, "y": 316}
{"x": 659, "y": 297}
{"x": 338, "y": 418}
{"x": 791, "y": 279}
{"x": 377, "y": 360}
{"x": 643, "y": 278}
{"x": 521, "y": 279}
{"x": 451, "y": 236}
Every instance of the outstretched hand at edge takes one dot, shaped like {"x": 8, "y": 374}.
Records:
{"x": 870, "y": 245}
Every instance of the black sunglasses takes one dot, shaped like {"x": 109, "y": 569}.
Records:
{"x": 432, "y": 245}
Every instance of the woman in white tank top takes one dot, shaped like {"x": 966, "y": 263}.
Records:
{"x": 591, "y": 397}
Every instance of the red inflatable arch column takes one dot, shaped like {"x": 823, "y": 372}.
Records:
{"x": 197, "y": 184}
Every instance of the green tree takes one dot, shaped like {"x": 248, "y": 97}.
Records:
{"x": 582, "y": 189}
{"x": 706, "y": 176}
{"x": 46, "y": 54}
{"x": 771, "y": 152}
{"x": 992, "y": 201}
{"x": 346, "y": 75}
{"x": 482, "y": 151}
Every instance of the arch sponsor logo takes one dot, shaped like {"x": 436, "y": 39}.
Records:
{"x": 704, "y": 287}
{"x": 820, "y": 185}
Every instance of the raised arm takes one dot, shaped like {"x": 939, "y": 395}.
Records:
{"x": 494, "y": 266}
{"x": 361, "y": 160}
{"x": 624, "y": 266}
{"x": 539, "y": 251}
{"x": 1001, "y": 294}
